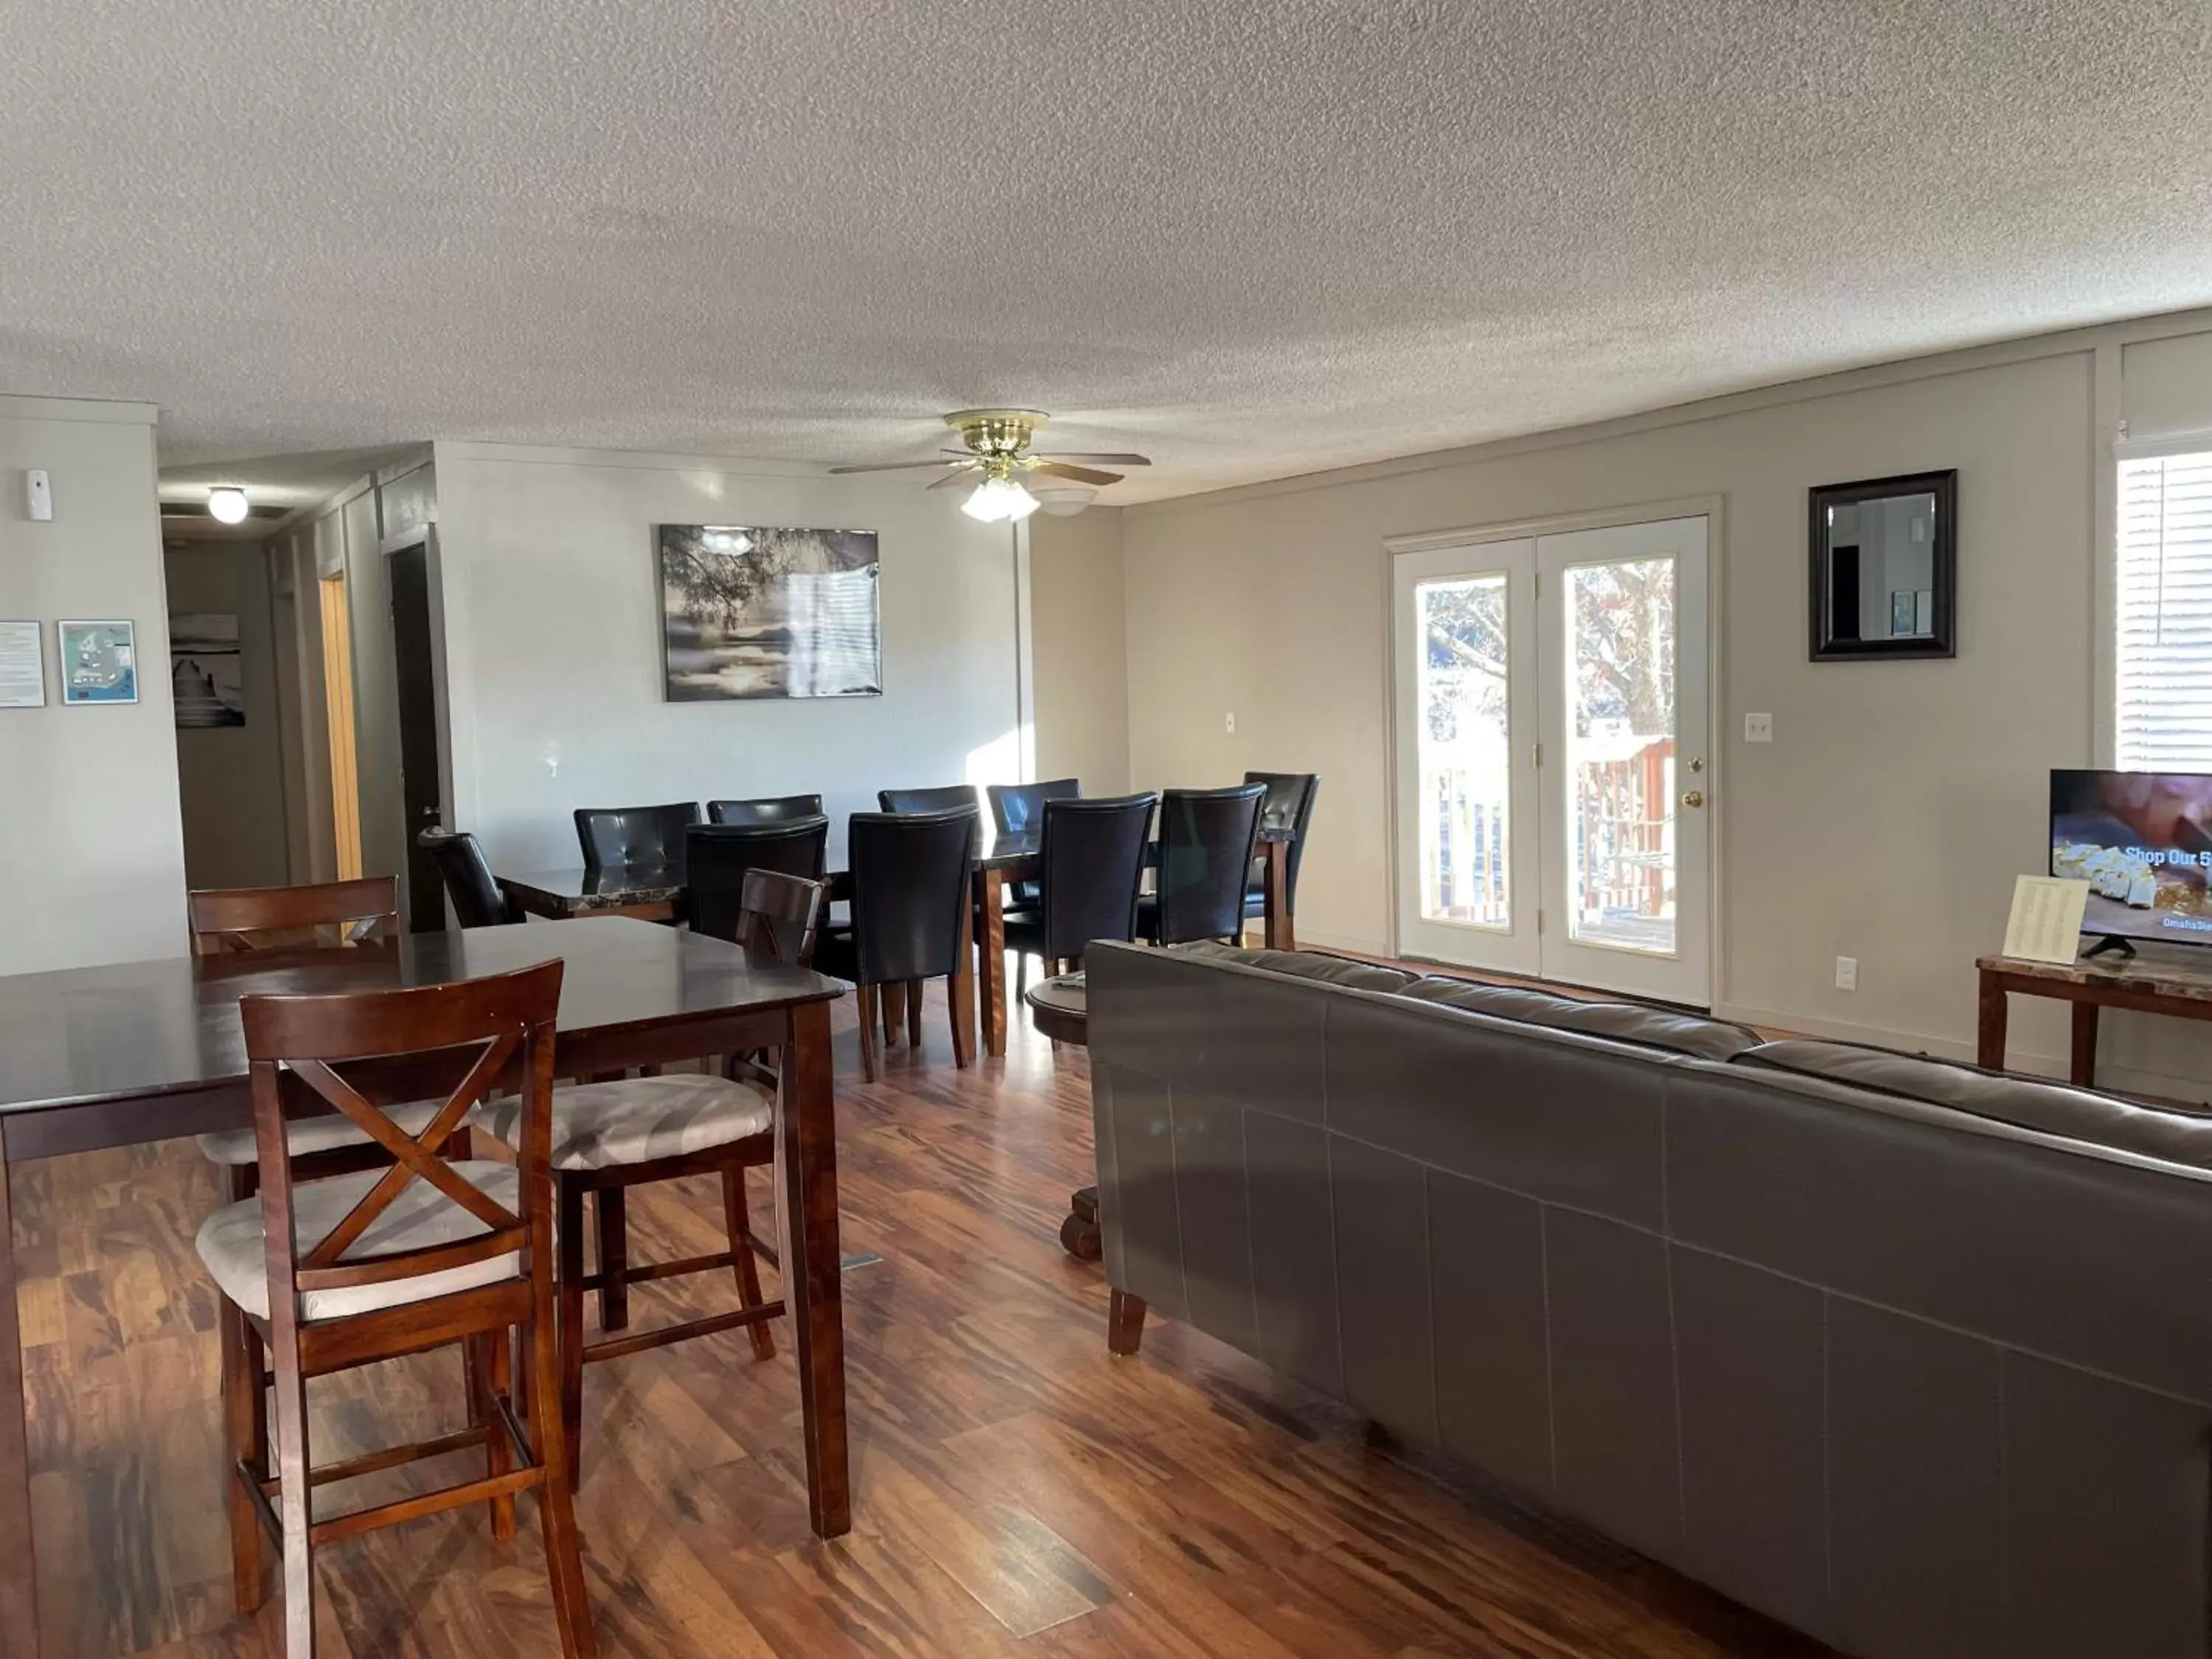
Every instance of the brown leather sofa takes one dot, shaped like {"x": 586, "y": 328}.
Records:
{"x": 1914, "y": 1358}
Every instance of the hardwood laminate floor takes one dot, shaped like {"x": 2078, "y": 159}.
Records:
{"x": 1017, "y": 1491}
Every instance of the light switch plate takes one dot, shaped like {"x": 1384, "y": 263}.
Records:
{"x": 39, "y": 494}
{"x": 1758, "y": 728}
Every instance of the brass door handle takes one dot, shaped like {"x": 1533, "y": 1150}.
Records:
{"x": 1694, "y": 798}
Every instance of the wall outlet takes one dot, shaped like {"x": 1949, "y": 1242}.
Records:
{"x": 1229, "y": 724}
{"x": 1847, "y": 973}
{"x": 1758, "y": 728}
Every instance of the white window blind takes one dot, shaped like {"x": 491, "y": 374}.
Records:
{"x": 2163, "y": 711}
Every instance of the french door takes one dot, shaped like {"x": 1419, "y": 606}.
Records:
{"x": 1553, "y": 722}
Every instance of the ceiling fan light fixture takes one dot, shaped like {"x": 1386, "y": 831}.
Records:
{"x": 1064, "y": 500}
{"x": 1000, "y": 500}
{"x": 228, "y": 505}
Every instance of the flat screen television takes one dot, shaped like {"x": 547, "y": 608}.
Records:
{"x": 2143, "y": 842}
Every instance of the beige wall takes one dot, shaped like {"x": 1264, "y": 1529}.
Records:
{"x": 1897, "y": 802}
{"x": 231, "y": 779}
{"x": 89, "y": 822}
{"x": 1081, "y": 679}
{"x": 552, "y": 625}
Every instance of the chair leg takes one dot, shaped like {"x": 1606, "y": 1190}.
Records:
{"x": 894, "y": 999}
{"x": 245, "y": 1440}
{"x": 1021, "y": 972}
{"x": 870, "y": 1061}
{"x": 913, "y": 1012}
{"x": 613, "y": 1212}
{"x": 749, "y": 1284}
{"x": 564, "y": 1561}
{"x": 568, "y": 1226}
{"x": 294, "y": 1500}
{"x": 960, "y": 992}
{"x": 489, "y": 1357}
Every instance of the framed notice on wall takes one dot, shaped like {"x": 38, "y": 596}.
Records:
{"x": 99, "y": 661}
{"x": 22, "y": 665}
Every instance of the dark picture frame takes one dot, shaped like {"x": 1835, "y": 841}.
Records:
{"x": 1834, "y": 620}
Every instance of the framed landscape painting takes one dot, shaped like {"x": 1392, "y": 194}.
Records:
{"x": 206, "y": 670}
{"x": 748, "y": 611}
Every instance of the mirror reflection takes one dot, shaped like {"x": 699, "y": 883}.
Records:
{"x": 1882, "y": 567}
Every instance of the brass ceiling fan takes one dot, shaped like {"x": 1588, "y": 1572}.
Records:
{"x": 997, "y": 457}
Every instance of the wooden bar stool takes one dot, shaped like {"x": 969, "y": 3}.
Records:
{"x": 341, "y": 1272}
{"x": 634, "y": 1131}
{"x": 333, "y": 914}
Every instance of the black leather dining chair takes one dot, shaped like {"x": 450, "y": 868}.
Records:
{"x": 909, "y": 895}
{"x": 770, "y": 808}
{"x": 477, "y": 901}
{"x": 1206, "y": 837}
{"x": 1016, "y": 807}
{"x": 634, "y": 835}
{"x": 926, "y": 801}
{"x": 1093, "y": 853}
{"x": 1289, "y": 805}
{"x": 717, "y": 857}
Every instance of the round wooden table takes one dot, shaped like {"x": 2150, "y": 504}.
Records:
{"x": 1059, "y": 1009}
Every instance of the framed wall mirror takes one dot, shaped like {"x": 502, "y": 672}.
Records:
{"x": 1885, "y": 577}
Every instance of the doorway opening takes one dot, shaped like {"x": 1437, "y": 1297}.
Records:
{"x": 415, "y": 666}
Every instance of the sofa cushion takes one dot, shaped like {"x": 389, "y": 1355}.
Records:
{"x": 1622, "y": 1022}
{"x": 2175, "y": 1136}
{"x": 1305, "y": 964}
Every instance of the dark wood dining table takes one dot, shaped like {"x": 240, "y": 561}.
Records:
{"x": 147, "y": 1051}
{"x": 656, "y": 892}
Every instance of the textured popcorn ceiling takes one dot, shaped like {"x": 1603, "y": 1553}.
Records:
{"x": 1250, "y": 237}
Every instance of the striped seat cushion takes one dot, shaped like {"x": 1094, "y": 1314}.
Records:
{"x": 597, "y": 1126}
{"x": 315, "y": 1134}
{"x": 233, "y": 1241}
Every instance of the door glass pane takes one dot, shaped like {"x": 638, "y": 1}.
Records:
{"x": 1620, "y": 755}
{"x": 1464, "y": 750}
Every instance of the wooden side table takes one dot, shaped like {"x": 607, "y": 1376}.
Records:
{"x": 2154, "y": 983}
{"x": 1059, "y": 1009}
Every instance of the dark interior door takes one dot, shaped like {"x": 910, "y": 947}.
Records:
{"x": 413, "y": 655}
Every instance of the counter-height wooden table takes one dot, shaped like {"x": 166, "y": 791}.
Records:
{"x": 656, "y": 892}
{"x": 147, "y": 1051}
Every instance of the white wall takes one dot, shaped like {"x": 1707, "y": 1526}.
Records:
{"x": 1077, "y": 606}
{"x": 231, "y": 779}
{"x": 1898, "y": 801}
{"x": 552, "y": 614}
{"x": 90, "y": 827}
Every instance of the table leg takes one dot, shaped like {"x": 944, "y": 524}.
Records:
{"x": 991, "y": 959}
{"x": 2083, "y": 1069}
{"x": 1275, "y": 862}
{"x": 19, "y": 1575}
{"x": 806, "y": 1194}
{"x": 1990, "y": 1034}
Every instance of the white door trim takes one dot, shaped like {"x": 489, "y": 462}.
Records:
{"x": 1713, "y": 509}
